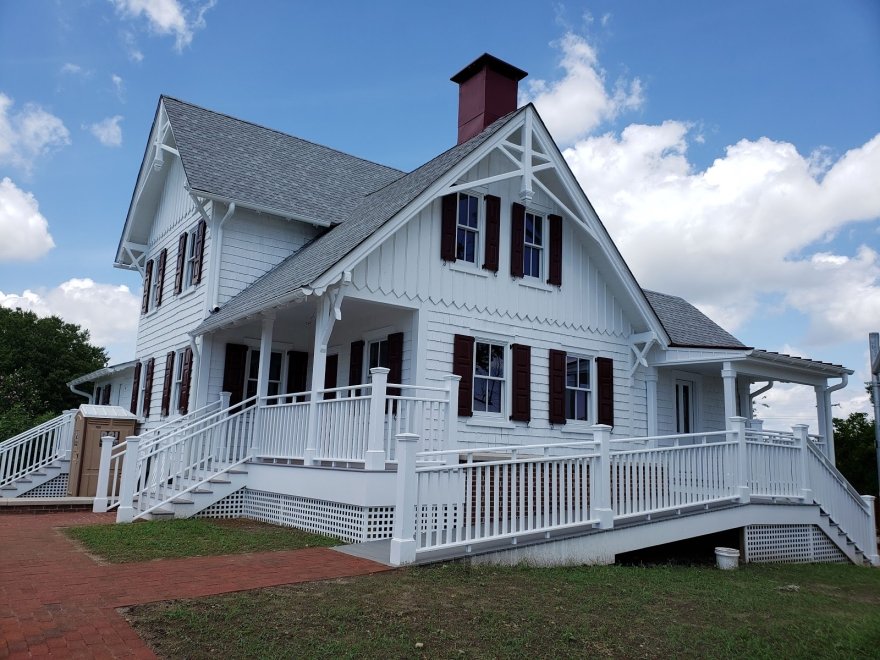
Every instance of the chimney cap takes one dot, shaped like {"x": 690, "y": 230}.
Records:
{"x": 491, "y": 62}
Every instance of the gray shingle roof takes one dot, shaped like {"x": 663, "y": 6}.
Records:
{"x": 368, "y": 215}
{"x": 250, "y": 164}
{"x": 688, "y": 326}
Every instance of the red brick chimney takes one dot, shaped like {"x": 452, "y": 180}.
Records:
{"x": 487, "y": 89}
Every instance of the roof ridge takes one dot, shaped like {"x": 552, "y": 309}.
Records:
{"x": 279, "y": 132}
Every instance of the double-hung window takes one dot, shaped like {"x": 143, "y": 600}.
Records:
{"x": 177, "y": 383}
{"x": 684, "y": 406}
{"x": 489, "y": 377}
{"x": 191, "y": 257}
{"x": 253, "y": 374}
{"x": 578, "y": 388}
{"x": 533, "y": 246}
{"x": 467, "y": 241}
{"x": 378, "y": 357}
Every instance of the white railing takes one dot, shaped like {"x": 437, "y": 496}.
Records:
{"x": 170, "y": 469}
{"x": 284, "y": 425}
{"x": 424, "y": 411}
{"x": 343, "y": 423}
{"x": 504, "y": 494}
{"x": 35, "y": 448}
{"x": 161, "y": 435}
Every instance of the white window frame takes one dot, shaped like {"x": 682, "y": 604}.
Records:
{"x": 368, "y": 344}
{"x": 504, "y": 379}
{"x": 590, "y": 389}
{"x": 478, "y": 231}
{"x": 154, "y": 288}
{"x": 247, "y": 372}
{"x": 542, "y": 247}
{"x": 176, "y": 382}
{"x": 680, "y": 394}
{"x": 189, "y": 261}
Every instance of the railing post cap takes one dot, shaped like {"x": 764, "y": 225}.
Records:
{"x": 869, "y": 498}
{"x": 108, "y": 437}
{"x": 601, "y": 427}
{"x": 737, "y": 418}
{"x": 407, "y": 437}
{"x": 800, "y": 426}
{"x": 133, "y": 439}
{"x": 454, "y": 377}
{"x": 380, "y": 370}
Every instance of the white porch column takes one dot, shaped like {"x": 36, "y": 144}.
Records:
{"x": 601, "y": 486}
{"x": 451, "y": 440}
{"x": 822, "y": 427}
{"x": 829, "y": 426}
{"x": 728, "y": 375}
{"x": 125, "y": 511}
{"x": 201, "y": 372}
{"x": 265, "y": 355}
{"x": 100, "y": 503}
{"x": 375, "y": 458}
{"x": 651, "y": 378}
{"x": 800, "y": 432}
{"x": 743, "y": 399}
{"x": 323, "y": 326}
{"x": 403, "y": 543}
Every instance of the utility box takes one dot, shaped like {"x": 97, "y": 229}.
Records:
{"x": 90, "y": 424}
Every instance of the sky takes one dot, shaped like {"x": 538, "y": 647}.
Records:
{"x": 731, "y": 149}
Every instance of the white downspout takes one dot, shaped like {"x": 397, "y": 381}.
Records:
{"x": 217, "y": 247}
{"x": 81, "y": 393}
{"x": 829, "y": 421}
{"x": 194, "y": 373}
{"x": 754, "y": 395}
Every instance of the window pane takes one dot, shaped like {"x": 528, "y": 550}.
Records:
{"x": 273, "y": 389}
{"x": 480, "y": 394}
{"x": 536, "y": 264}
{"x": 254, "y": 370}
{"x": 383, "y": 354}
{"x": 275, "y": 367}
{"x": 538, "y": 231}
{"x": 570, "y": 403}
{"x": 460, "y": 243}
{"x": 374, "y": 354}
{"x": 462, "y": 209}
{"x": 584, "y": 373}
{"x": 472, "y": 218}
{"x": 530, "y": 236}
{"x": 493, "y": 403}
{"x": 481, "y": 365}
{"x": 497, "y": 361}
{"x": 251, "y": 389}
{"x": 571, "y": 372}
{"x": 581, "y": 405}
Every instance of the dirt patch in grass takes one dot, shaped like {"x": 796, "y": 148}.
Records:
{"x": 190, "y": 538}
{"x": 454, "y": 611}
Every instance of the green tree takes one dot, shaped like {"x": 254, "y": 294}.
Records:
{"x": 38, "y": 356}
{"x": 855, "y": 451}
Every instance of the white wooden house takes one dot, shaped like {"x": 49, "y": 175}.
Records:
{"x": 551, "y": 398}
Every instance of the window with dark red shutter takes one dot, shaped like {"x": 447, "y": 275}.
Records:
{"x": 448, "y": 216}
{"x": 554, "y": 275}
{"x": 517, "y": 237}
{"x": 493, "y": 232}
{"x": 148, "y": 388}
{"x": 395, "y": 361}
{"x": 356, "y": 364}
{"x": 297, "y": 373}
{"x": 135, "y": 388}
{"x": 463, "y": 365}
{"x": 521, "y": 383}
{"x": 166, "y": 384}
{"x": 181, "y": 263}
{"x": 605, "y": 391}
{"x": 185, "y": 382}
{"x": 234, "y": 372}
{"x": 105, "y": 395}
{"x": 199, "y": 256}
{"x": 160, "y": 276}
{"x": 330, "y": 375}
{"x": 557, "y": 387}
{"x": 148, "y": 284}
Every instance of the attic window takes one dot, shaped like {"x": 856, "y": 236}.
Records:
{"x": 468, "y": 228}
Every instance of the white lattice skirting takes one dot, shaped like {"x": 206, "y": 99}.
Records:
{"x": 56, "y": 487}
{"x": 344, "y": 521}
{"x": 793, "y": 544}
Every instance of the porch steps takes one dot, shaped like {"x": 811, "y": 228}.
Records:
{"x": 193, "y": 495}
{"x": 24, "y": 485}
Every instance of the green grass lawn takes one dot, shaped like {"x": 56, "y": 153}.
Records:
{"x": 190, "y": 538}
{"x": 453, "y": 611}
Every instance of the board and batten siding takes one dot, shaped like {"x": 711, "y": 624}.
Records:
{"x": 253, "y": 244}
{"x": 175, "y": 207}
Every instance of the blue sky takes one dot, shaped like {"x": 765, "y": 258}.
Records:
{"x": 732, "y": 149}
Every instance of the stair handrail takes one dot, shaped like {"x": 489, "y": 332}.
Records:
{"x": 838, "y": 475}
{"x": 36, "y": 447}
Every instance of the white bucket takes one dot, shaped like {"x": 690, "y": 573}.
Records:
{"x": 727, "y": 559}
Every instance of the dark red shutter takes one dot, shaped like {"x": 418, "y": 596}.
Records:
{"x": 517, "y": 238}
{"x": 448, "y": 229}
{"x": 463, "y": 365}
{"x": 166, "y": 384}
{"x": 330, "y": 375}
{"x": 160, "y": 275}
{"x": 148, "y": 282}
{"x": 105, "y": 395}
{"x": 199, "y": 256}
{"x": 395, "y": 364}
{"x": 297, "y": 373}
{"x": 356, "y": 364}
{"x": 185, "y": 382}
{"x": 521, "y": 383}
{"x": 181, "y": 263}
{"x": 557, "y": 387}
{"x": 233, "y": 372}
{"x": 555, "y": 270}
{"x": 605, "y": 390}
{"x": 148, "y": 387}
{"x": 135, "y": 388}
{"x": 493, "y": 232}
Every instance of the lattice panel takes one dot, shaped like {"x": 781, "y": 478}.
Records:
{"x": 344, "y": 521}
{"x": 793, "y": 544}
{"x": 231, "y": 506}
{"x": 380, "y": 522}
{"x": 56, "y": 487}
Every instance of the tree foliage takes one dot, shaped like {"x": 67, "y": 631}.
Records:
{"x": 855, "y": 451}
{"x": 38, "y": 356}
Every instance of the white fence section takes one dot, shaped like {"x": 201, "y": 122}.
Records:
{"x": 26, "y": 452}
{"x": 424, "y": 411}
{"x": 284, "y": 425}
{"x": 343, "y": 423}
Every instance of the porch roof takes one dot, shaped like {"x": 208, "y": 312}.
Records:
{"x": 279, "y": 285}
{"x": 782, "y": 359}
{"x": 687, "y": 326}
{"x": 102, "y": 373}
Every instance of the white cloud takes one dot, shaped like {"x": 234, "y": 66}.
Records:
{"x": 28, "y": 134}
{"x": 166, "y": 17}
{"x": 579, "y": 102}
{"x": 24, "y": 230}
{"x": 110, "y": 312}
{"x": 108, "y": 131}
{"x": 118, "y": 86}
{"x": 135, "y": 54}
{"x": 71, "y": 69}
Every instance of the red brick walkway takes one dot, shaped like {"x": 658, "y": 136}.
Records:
{"x": 56, "y": 600}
